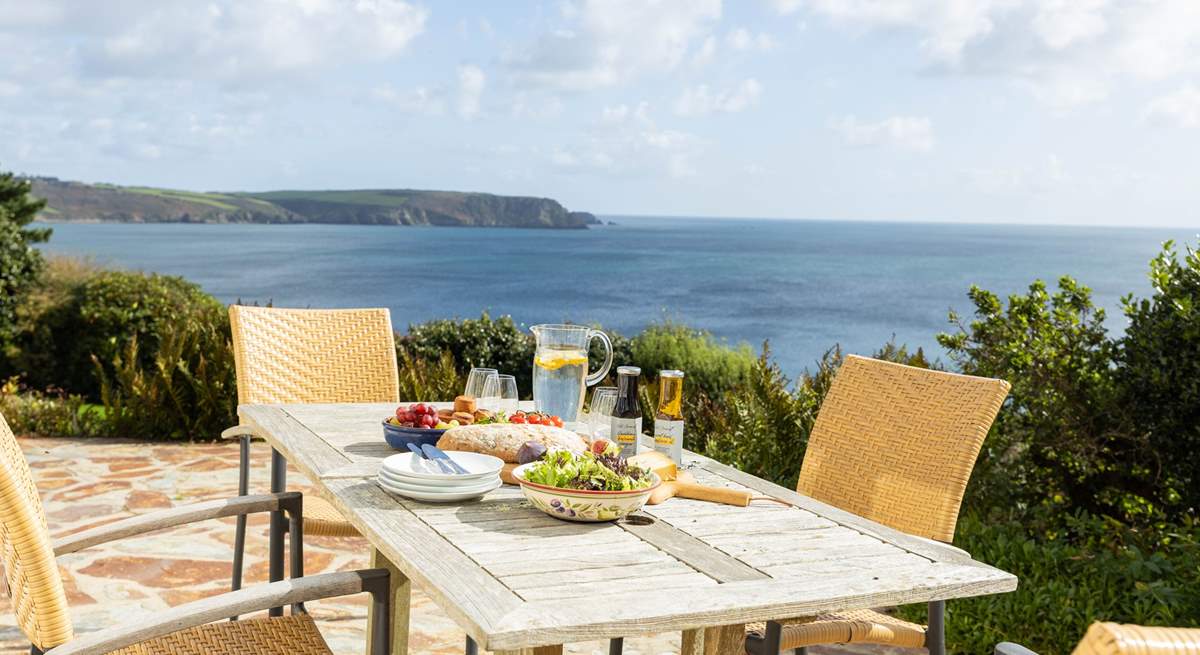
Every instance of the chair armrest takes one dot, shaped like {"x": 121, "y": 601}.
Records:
{"x": 216, "y": 608}
{"x": 237, "y": 431}
{"x": 1009, "y": 648}
{"x": 184, "y": 514}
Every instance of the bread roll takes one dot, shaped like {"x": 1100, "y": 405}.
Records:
{"x": 503, "y": 440}
{"x": 465, "y": 404}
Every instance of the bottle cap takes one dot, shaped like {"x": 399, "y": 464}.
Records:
{"x": 628, "y": 370}
{"x": 670, "y": 373}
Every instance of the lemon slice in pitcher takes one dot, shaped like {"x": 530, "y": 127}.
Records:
{"x": 555, "y": 361}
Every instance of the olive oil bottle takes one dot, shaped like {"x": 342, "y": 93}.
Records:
{"x": 668, "y": 420}
{"x": 626, "y": 424}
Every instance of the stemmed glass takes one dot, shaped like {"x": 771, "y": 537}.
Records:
{"x": 476, "y": 388}
{"x": 604, "y": 400}
{"x": 502, "y": 388}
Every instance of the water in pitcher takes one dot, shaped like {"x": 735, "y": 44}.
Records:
{"x": 558, "y": 381}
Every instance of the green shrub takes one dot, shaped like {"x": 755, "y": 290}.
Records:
{"x": 496, "y": 343}
{"x": 183, "y": 388}
{"x": 1159, "y": 375}
{"x": 1063, "y": 439}
{"x": 20, "y": 262}
{"x": 77, "y": 312}
{"x": 1088, "y": 569}
{"x": 423, "y": 380}
{"x": 41, "y": 414}
{"x": 712, "y": 367}
{"x": 39, "y": 349}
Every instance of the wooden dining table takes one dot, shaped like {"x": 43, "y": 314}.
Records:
{"x": 519, "y": 581}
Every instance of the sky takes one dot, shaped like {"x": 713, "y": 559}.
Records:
{"x": 1022, "y": 111}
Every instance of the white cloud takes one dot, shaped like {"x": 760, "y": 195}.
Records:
{"x": 1033, "y": 178}
{"x": 786, "y": 7}
{"x": 1180, "y": 108}
{"x": 700, "y": 100}
{"x": 1067, "y": 52}
{"x": 539, "y": 106}
{"x": 419, "y": 100}
{"x": 1061, "y": 23}
{"x": 909, "y": 132}
{"x": 706, "y": 53}
{"x": 471, "y": 81}
{"x": 609, "y": 42}
{"x": 743, "y": 39}
{"x": 242, "y": 41}
{"x": 626, "y": 141}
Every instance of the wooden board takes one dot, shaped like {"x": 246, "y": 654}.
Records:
{"x": 515, "y": 578}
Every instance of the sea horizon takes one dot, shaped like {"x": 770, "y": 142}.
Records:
{"x": 805, "y": 285}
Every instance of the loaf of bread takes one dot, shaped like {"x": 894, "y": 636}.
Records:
{"x": 503, "y": 440}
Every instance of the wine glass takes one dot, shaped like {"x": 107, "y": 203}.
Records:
{"x": 476, "y": 380}
{"x": 502, "y": 390}
{"x": 604, "y": 401}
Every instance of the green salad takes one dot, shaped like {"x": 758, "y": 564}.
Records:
{"x": 607, "y": 471}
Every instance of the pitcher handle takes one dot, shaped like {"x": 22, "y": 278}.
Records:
{"x": 608, "y": 356}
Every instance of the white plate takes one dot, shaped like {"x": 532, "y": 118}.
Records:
{"x": 414, "y": 484}
{"x": 408, "y": 465}
{"x": 447, "y": 482}
{"x": 438, "y": 497}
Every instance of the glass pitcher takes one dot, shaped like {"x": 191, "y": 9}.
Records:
{"x": 560, "y": 364}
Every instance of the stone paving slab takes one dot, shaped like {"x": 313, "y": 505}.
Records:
{"x": 85, "y": 483}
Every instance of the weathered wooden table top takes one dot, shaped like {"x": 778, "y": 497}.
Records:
{"x": 514, "y": 577}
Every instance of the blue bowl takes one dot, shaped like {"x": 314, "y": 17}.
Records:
{"x": 399, "y": 438}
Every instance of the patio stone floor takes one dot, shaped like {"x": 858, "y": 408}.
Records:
{"x": 85, "y": 483}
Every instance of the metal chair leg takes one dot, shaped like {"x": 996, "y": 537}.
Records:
{"x": 275, "y": 546}
{"x": 472, "y": 648}
{"x": 803, "y": 650}
{"x": 616, "y": 646}
{"x": 772, "y": 637}
{"x": 935, "y": 633}
{"x": 239, "y": 535}
{"x": 380, "y": 639}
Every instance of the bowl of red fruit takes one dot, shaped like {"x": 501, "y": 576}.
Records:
{"x": 416, "y": 424}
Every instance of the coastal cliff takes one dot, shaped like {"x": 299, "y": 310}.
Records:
{"x": 79, "y": 202}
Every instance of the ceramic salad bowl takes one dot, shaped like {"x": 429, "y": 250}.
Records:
{"x": 583, "y": 506}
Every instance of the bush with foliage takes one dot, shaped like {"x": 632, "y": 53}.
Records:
{"x": 1074, "y": 568}
{"x": 496, "y": 343}
{"x": 182, "y": 387}
{"x": 20, "y": 262}
{"x": 78, "y": 311}
{"x": 1158, "y": 374}
{"x": 38, "y": 413}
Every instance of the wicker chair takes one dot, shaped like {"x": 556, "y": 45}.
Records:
{"x": 308, "y": 356}
{"x": 895, "y": 444}
{"x": 1117, "y": 639}
{"x": 39, "y": 600}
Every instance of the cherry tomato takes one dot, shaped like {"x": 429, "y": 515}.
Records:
{"x": 558, "y": 423}
{"x": 517, "y": 418}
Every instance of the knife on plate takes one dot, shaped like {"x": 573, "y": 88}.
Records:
{"x": 443, "y": 460}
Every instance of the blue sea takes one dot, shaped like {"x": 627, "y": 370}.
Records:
{"x": 802, "y": 285}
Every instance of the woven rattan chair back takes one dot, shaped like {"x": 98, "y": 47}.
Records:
{"x": 896, "y": 444}
{"x": 314, "y": 355}
{"x": 1122, "y": 639}
{"x": 31, "y": 574}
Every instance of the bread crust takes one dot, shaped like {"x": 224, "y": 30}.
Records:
{"x": 503, "y": 440}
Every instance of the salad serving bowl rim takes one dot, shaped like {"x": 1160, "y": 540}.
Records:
{"x": 519, "y": 475}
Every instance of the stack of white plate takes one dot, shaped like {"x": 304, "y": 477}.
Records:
{"x": 411, "y": 476}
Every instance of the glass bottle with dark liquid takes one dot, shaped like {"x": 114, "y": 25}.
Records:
{"x": 626, "y": 422}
